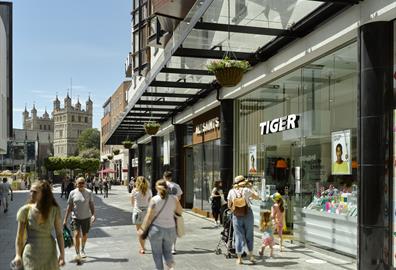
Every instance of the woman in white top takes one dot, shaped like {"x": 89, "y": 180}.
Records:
{"x": 140, "y": 198}
{"x": 162, "y": 234}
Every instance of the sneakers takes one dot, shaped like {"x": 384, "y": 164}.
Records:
{"x": 77, "y": 258}
{"x": 174, "y": 251}
{"x": 6, "y": 210}
{"x": 83, "y": 255}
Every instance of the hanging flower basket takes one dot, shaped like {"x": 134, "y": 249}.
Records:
{"x": 151, "y": 128}
{"x": 127, "y": 144}
{"x": 116, "y": 151}
{"x": 228, "y": 72}
{"x": 110, "y": 157}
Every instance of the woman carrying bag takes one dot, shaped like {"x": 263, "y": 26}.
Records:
{"x": 242, "y": 218}
{"x": 140, "y": 198}
{"x": 160, "y": 226}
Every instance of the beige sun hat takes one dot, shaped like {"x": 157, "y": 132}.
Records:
{"x": 239, "y": 180}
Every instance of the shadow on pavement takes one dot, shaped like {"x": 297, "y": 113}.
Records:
{"x": 111, "y": 260}
{"x": 194, "y": 251}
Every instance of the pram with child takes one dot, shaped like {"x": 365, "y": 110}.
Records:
{"x": 226, "y": 236}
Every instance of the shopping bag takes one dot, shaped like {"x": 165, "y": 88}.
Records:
{"x": 67, "y": 237}
{"x": 179, "y": 225}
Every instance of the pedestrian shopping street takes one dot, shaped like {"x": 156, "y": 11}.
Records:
{"x": 112, "y": 242}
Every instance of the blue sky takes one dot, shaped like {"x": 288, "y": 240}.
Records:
{"x": 54, "y": 41}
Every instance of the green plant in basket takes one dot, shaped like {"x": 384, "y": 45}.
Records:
{"x": 127, "y": 144}
{"x": 228, "y": 72}
{"x": 110, "y": 157}
{"x": 151, "y": 127}
{"x": 116, "y": 151}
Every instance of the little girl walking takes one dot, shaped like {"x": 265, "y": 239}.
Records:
{"x": 277, "y": 213}
{"x": 268, "y": 236}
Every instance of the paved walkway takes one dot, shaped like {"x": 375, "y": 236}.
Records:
{"x": 112, "y": 242}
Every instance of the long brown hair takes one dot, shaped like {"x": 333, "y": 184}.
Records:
{"x": 47, "y": 198}
{"x": 162, "y": 188}
{"x": 280, "y": 203}
{"x": 141, "y": 184}
{"x": 265, "y": 219}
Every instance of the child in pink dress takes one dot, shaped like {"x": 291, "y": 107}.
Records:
{"x": 268, "y": 236}
{"x": 277, "y": 213}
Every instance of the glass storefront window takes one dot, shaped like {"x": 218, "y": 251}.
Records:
{"x": 312, "y": 166}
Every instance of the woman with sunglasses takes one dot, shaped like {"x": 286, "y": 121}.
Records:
{"x": 35, "y": 223}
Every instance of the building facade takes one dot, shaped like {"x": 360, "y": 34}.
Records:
{"x": 5, "y": 74}
{"x": 36, "y": 123}
{"x": 313, "y": 119}
{"x": 69, "y": 122}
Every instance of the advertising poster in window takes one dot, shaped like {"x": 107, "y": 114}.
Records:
{"x": 341, "y": 152}
{"x": 252, "y": 159}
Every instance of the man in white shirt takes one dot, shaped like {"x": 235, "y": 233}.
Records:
{"x": 173, "y": 189}
{"x": 5, "y": 187}
{"x": 81, "y": 204}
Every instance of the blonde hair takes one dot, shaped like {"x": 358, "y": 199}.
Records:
{"x": 80, "y": 179}
{"x": 162, "y": 188}
{"x": 141, "y": 185}
{"x": 265, "y": 220}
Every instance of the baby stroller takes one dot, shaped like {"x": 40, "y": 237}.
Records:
{"x": 226, "y": 236}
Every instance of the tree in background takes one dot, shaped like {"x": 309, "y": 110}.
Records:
{"x": 89, "y": 138}
{"x": 90, "y": 153}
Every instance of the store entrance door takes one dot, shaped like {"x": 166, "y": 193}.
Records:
{"x": 189, "y": 176}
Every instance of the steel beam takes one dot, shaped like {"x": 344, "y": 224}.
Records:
{"x": 159, "y": 103}
{"x": 210, "y": 54}
{"x": 174, "y": 95}
{"x": 185, "y": 71}
{"x": 243, "y": 29}
{"x": 151, "y": 109}
{"x": 342, "y": 2}
{"x": 178, "y": 84}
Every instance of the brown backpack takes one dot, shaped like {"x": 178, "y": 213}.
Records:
{"x": 239, "y": 206}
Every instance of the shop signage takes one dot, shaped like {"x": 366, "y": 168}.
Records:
{"x": 279, "y": 124}
{"x": 207, "y": 126}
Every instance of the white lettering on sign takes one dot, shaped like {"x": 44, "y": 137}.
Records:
{"x": 279, "y": 124}
{"x": 207, "y": 126}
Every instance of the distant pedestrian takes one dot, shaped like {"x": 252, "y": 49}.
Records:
{"x": 266, "y": 227}
{"x": 277, "y": 214}
{"x": 81, "y": 204}
{"x": 63, "y": 188}
{"x": 217, "y": 199}
{"x": 5, "y": 189}
{"x": 162, "y": 234}
{"x": 101, "y": 186}
{"x": 96, "y": 184}
{"x": 242, "y": 218}
{"x": 140, "y": 198}
{"x": 37, "y": 220}
{"x": 70, "y": 186}
{"x": 105, "y": 189}
{"x": 173, "y": 189}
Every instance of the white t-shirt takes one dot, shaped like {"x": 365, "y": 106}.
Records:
{"x": 174, "y": 188}
{"x": 4, "y": 188}
{"x": 141, "y": 201}
{"x": 166, "y": 218}
{"x": 244, "y": 192}
{"x": 80, "y": 203}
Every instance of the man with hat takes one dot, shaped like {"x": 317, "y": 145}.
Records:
{"x": 243, "y": 221}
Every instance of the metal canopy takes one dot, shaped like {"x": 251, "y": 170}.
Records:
{"x": 255, "y": 34}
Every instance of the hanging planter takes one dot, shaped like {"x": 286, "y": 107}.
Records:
{"x": 228, "y": 72}
{"x": 116, "y": 151}
{"x": 110, "y": 157}
{"x": 127, "y": 144}
{"x": 152, "y": 127}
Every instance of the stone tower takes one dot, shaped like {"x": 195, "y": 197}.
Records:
{"x": 44, "y": 123}
{"x": 69, "y": 122}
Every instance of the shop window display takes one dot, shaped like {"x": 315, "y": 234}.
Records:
{"x": 311, "y": 163}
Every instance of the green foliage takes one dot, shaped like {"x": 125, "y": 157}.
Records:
{"x": 116, "y": 151}
{"x": 152, "y": 124}
{"x": 72, "y": 163}
{"x": 89, "y": 138}
{"x": 127, "y": 144}
{"x": 90, "y": 153}
{"x": 110, "y": 157}
{"x": 215, "y": 65}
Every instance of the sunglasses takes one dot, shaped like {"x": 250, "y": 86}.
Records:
{"x": 80, "y": 183}
{"x": 33, "y": 191}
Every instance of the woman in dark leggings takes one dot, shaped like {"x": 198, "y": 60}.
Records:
{"x": 217, "y": 199}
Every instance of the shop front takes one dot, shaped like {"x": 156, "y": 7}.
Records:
{"x": 203, "y": 158}
{"x": 297, "y": 135}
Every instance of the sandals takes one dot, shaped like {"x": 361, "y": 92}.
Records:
{"x": 142, "y": 251}
{"x": 261, "y": 253}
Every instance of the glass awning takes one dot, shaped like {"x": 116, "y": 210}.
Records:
{"x": 253, "y": 30}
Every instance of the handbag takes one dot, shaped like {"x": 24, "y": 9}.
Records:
{"x": 179, "y": 220}
{"x": 147, "y": 229}
{"x": 136, "y": 216}
{"x": 67, "y": 237}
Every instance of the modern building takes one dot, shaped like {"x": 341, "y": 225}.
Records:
{"x": 69, "y": 122}
{"x": 313, "y": 119}
{"x": 34, "y": 122}
{"x": 112, "y": 110}
{"x": 6, "y": 38}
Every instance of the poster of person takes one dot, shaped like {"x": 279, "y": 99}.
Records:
{"x": 252, "y": 159}
{"x": 341, "y": 152}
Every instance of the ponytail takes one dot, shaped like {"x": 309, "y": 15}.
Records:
{"x": 162, "y": 188}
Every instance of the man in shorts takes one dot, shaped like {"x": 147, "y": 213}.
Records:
{"x": 173, "y": 189}
{"x": 5, "y": 187}
{"x": 81, "y": 204}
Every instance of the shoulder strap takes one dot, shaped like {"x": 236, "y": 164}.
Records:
{"x": 163, "y": 206}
